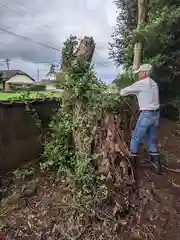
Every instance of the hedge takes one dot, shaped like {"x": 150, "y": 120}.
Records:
{"x": 28, "y": 87}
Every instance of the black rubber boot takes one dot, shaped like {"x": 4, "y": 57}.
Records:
{"x": 134, "y": 161}
{"x": 155, "y": 160}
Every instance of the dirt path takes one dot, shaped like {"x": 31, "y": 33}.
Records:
{"x": 41, "y": 215}
{"x": 160, "y": 217}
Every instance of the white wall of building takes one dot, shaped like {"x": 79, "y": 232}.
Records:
{"x": 20, "y": 79}
{"x": 51, "y": 77}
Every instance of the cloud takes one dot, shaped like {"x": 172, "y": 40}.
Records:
{"x": 51, "y": 23}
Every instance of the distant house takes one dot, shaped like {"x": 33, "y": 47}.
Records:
{"x": 51, "y": 76}
{"x": 50, "y": 85}
{"x": 15, "y": 76}
{"x": 50, "y": 80}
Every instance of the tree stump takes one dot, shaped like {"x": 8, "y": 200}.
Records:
{"x": 110, "y": 149}
{"x": 85, "y": 49}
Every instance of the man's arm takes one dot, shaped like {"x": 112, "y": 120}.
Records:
{"x": 131, "y": 90}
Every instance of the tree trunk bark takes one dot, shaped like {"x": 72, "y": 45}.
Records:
{"x": 108, "y": 145}
{"x": 84, "y": 53}
{"x": 110, "y": 148}
{"x": 85, "y": 49}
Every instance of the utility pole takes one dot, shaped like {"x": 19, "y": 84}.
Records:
{"x": 38, "y": 74}
{"x": 7, "y": 61}
{"x": 142, "y": 12}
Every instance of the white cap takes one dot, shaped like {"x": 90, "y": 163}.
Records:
{"x": 144, "y": 68}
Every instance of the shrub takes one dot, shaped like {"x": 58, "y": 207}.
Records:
{"x": 27, "y": 87}
{"x": 124, "y": 79}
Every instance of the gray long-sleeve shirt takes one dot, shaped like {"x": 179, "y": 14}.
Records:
{"x": 147, "y": 93}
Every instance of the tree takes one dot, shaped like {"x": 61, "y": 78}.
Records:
{"x": 159, "y": 36}
{"x": 125, "y": 24}
{"x": 68, "y": 52}
{"x": 142, "y": 13}
{"x": 158, "y": 33}
{"x": 72, "y": 51}
{"x": 68, "y": 56}
{"x": 90, "y": 135}
{"x": 52, "y": 68}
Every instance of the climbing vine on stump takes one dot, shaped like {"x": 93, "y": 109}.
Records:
{"x": 90, "y": 135}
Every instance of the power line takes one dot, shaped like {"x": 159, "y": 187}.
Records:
{"x": 29, "y": 39}
{"x": 25, "y": 7}
{"x": 48, "y": 62}
{"x": 20, "y": 13}
{"x": 32, "y": 11}
{"x": 56, "y": 63}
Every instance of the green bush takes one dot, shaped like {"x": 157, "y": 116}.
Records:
{"x": 125, "y": 79}
{"x": 37, "y": 88}
{"x": 26, "y": 87}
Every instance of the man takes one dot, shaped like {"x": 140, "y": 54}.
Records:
{"x": 147, "y": 92}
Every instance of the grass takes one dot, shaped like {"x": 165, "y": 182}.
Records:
{"x": 4, "y": 96}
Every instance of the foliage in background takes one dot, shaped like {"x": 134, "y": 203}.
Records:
{"x": 176, "y": 104}
{"x": 160, "y": 37}
{"x": 28, "y": 96}
{"x": 26, "y": 87}
{"x": 1, "y": 81}
{"x": 125, "y": 79}
{"x": 125, "y": 24}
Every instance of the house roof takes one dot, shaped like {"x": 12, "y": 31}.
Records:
{"x": 7, "y": 74}
{"x": 51, "y": 73}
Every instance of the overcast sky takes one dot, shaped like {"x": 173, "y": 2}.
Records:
{"x": 50, "y": 23}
